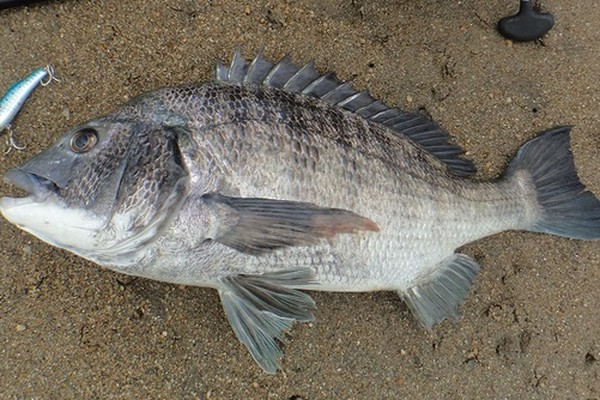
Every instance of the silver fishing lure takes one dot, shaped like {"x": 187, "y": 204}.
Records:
{"x": 16, "y": 96}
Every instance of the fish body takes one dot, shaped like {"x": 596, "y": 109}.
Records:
{"x": 274, "y": 178}
{"x": 286, "y": 162}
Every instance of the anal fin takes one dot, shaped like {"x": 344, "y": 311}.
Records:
{"x": 438, "y": 297}
{"x": 260, "y": 308}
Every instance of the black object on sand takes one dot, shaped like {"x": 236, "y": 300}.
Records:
{"x": 16, "y": 3}
{"x": 527, "y": 24}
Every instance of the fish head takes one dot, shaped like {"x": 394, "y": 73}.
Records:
{"x": 104, "y": 191}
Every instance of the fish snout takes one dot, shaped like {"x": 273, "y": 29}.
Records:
{"x": 38, "y": 186}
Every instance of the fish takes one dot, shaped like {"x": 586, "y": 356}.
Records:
{"x": 272, "y": 180}
{"x": 12, "y": 102}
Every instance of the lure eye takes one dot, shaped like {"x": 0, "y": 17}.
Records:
{"x": 82, "y": 141}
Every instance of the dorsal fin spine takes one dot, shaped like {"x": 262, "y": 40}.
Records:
{"x": 251, "y": 69}
{"x": 310, "y": 87}
{"x": 384, "y": 115}
{"x": 351, "y": 98}
{"x": 237, "y": 70}
{"x": 273, "y": 71}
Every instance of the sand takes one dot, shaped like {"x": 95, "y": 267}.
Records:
{"x": 72, "y": 330}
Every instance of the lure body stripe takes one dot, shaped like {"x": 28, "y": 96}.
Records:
{"x": 18, "y": 93}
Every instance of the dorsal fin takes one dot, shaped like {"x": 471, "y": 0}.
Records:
{"x": 306, "y": 80}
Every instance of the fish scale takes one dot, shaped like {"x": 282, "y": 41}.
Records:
{"x": 275, "y": 178}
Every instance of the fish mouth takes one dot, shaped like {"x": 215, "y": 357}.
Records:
{"x": 38, "y": 187}
{"x": 43, "y": 213}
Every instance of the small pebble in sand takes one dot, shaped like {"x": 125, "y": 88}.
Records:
{"x": 27, "y": 250}
{"x": 20, "y": 328}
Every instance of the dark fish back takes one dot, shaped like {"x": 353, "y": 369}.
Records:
{"x": 306, "y": 81}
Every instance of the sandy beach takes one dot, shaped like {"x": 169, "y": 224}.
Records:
{"x": 70, "y": 329}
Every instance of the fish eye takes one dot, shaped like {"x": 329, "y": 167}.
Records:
{"x": 82, "y": 141}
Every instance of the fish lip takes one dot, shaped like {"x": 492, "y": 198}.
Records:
{"x": 36, "y": 186}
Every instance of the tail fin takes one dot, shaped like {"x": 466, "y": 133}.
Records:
{"x": 568, "y": 208}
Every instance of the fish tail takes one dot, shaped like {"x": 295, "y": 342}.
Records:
{"x": 565, "y": 206}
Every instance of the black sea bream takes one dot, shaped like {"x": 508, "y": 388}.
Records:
{"x": 274, "y": 178}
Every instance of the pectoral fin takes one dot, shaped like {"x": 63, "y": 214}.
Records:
{"x": 266, "y": 224}
{"x": 438, "y": 296}
{"x": 261, "y": 307}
